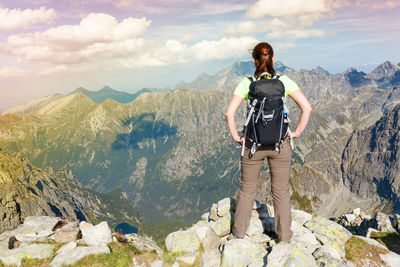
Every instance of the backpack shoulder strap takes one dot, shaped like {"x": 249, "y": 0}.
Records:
{"x": 252, "y": 78}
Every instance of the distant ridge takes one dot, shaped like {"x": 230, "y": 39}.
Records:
{"x": 33, "y": 105}
{"x": 108, "y": 93}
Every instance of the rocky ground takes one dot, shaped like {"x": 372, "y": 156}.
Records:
{"x": 348, "y": 240}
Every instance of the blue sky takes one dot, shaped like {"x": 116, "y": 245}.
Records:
{"x": 49, "y": 46}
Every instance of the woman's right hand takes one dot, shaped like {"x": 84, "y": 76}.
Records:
{"x": 238, "y": 139}
{"x": 230, "y": 117}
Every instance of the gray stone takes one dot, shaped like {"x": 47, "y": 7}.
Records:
{"x": 66, "y": 234}
{"x": 326, "y": 249}
{"x": 255, "y": 226}
{"x": 326, "y": 260}
{"x": 303, "y": 235}
{"x": 224, "y": 207}
{"x": 205, "y": 216}
{"x": 182, "y": 241}
{"x": 188, "y": 258}
{"x": 211, "y": 240}
{"x": 241, "y": 252}
{"x": 210, "y": 258}
{"x": 143, "y": 243}
{"x": 290, "y": 254}
{"x": 69, "y": 246}
{"x": 222, "y": 227}
{"x": 391, "y": 259}
{"x": 29, "y": 251}
{"x": 382, "y": 222}
{"x": 44, "y": 233}
{"x": 72, "y": 256}
{"x": 214, "y": 213}
{"x": 357, "y": 212}
{"x": 95, "y": 235}
{"x": 258, "y": 238}
{"x": 301, "y": 216}
{"x": 26, "y": 236}
{"x": 350, "y": 217}
{"x": 157, "y": 263}
{"x": 329, "y": 232}
{"x": 42, "y": 222}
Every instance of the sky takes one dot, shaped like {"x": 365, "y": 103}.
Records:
{"x": 55, "y": 46}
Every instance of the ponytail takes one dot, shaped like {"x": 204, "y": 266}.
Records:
{"x": 262, "y": 54}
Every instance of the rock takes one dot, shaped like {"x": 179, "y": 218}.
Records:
{"x": 301, "y": 216}
{"x": 26, "y": 236}
{"x": 224, "y": 207}
{"x": 362, "y": 215}
{"x": 182, "y": 241}
{"x": 29, "y": 251}
{"x": 210, "y": 258}
{"x": 205, "y": 216}
{"x": 391, "y": 259}
{"x": 95, "y": 235}
{"x": 350, "y": 217}
{"x": 42, "y": 222}
{"x": 201, "y": 232}
{"x": 326, "y": 260}
{"x": 326, "y": 249}
{"x": 255, "y": 226}
{"x": 357, "y": 212}
{"x": 214, "y": 213}
{"x": 222, "y": 227}
{"x": 290, "y": 254}
{"x": 143, "y": 243}
{"x": 329, "y": 232}
{"x": 43, "y": 234}
{"x": 211, "y": 240}
{"x": 258, "y": 238}
{"x": 382, "y": 222}
{"x": 67, "y": 233}
{"x": 303, "y": 235}
{"x": 157, "y": 263}
{"x": 241, "y": 252}
{"x": 372, "y": 242}
{"x": 188, "y": 258}
{"x": 72, "y": 256}
{"x": 370, "y": 231}
{"x": 396, "y": 221}
{"x": 257, "y": 205}
{"x": 67, "y": 247}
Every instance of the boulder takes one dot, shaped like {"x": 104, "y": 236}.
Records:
{"x": 326, "y": 260}
{"x": 211, "y": 240}
{"x": 67, "y": 233}
{"x": 71, "y": 256}
{"x": 95, "y": 235}
{"x": 396, "y": 221}
{"x": 382, "y": 222}
{"x": 182, "y": 241}
{"x": 67, "y": 247}
{"x": 329, "y": 232}
{"x": 303, "y": 235}
{"x": 29, "y": 251}
{"x": 301, "y": 216}
{"x": 357, "y": 212}
{"x": 326, "y": 249}
{"x": 255, "y": 226}
{"x": 350, "y": 217}
{"x": 391, "y": 259}
{"x": 290, "y": 254}
{"x": 210, "y": 258}
{"x": 224, "y": 207}
{"x": 222, "y": 227}
{"x": 214, "y": 213}
{"x": 205, "y": 216}
{"x": 258, "y": 238}
{"x": 241, "y": 252}
{"x": 157, "y": 263}
{"x": 143, "y": 243}
{"x": 188, "y": 258}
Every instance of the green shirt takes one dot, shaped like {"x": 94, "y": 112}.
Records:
{"x": 242, "y": 89}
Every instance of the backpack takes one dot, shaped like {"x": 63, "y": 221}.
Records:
{"x": 267, "y": 122}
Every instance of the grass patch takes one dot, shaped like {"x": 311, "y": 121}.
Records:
{"x": 358, "y": 250}
{"x": 390, "y": 240}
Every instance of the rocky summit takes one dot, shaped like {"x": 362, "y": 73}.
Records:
{"x": 317, "y": 241}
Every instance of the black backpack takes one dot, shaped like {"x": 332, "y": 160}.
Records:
{"x": 267, "y": 123}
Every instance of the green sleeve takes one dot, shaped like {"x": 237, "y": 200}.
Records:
{"x": 242, "y": 89}
{"x": 290, "y": 85}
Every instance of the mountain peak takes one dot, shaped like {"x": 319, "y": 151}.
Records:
{"x": 385, "y": 70}
{"x": 106, "y": 89}
{"x": 320, "y": 70}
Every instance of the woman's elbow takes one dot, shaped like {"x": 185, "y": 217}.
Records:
{"x": 308, "y": 109}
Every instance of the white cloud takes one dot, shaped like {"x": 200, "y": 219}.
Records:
{"x": 243, "y": 28}
{"x": 17, "y": 19}
{"x": 296, "y": 34}
{"x": 7, "y": 72}
{"x": 98, "y": 36}
{"x": 278, "y": 8}
{"x": 187, "y": 38}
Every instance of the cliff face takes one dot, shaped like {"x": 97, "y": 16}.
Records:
{"x": 371, "y": 159}
{"x": 29, "y": 191}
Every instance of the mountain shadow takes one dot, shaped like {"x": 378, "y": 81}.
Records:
{"x": 142, "y": 127}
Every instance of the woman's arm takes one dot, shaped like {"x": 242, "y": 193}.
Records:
{"x": 305, "y": 108}
{"x": 230, "y": 117}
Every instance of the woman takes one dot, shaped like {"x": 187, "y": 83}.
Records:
{"x": 278, "y": 159}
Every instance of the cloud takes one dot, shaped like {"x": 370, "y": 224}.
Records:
{"x": 98, "y": 36}
{"x": 296, "y": 34}
{"x": 187, "y": 38}
{"x": 277, "y": 8}
{"x": 7, "y": 72}
{"x": 243, "y": 28}
{"x": 17, "y": 19}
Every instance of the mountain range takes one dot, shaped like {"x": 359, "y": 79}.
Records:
{"x": 171, "y": 153}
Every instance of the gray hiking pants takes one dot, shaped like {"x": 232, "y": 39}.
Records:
{"x": 279, "y": 165}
